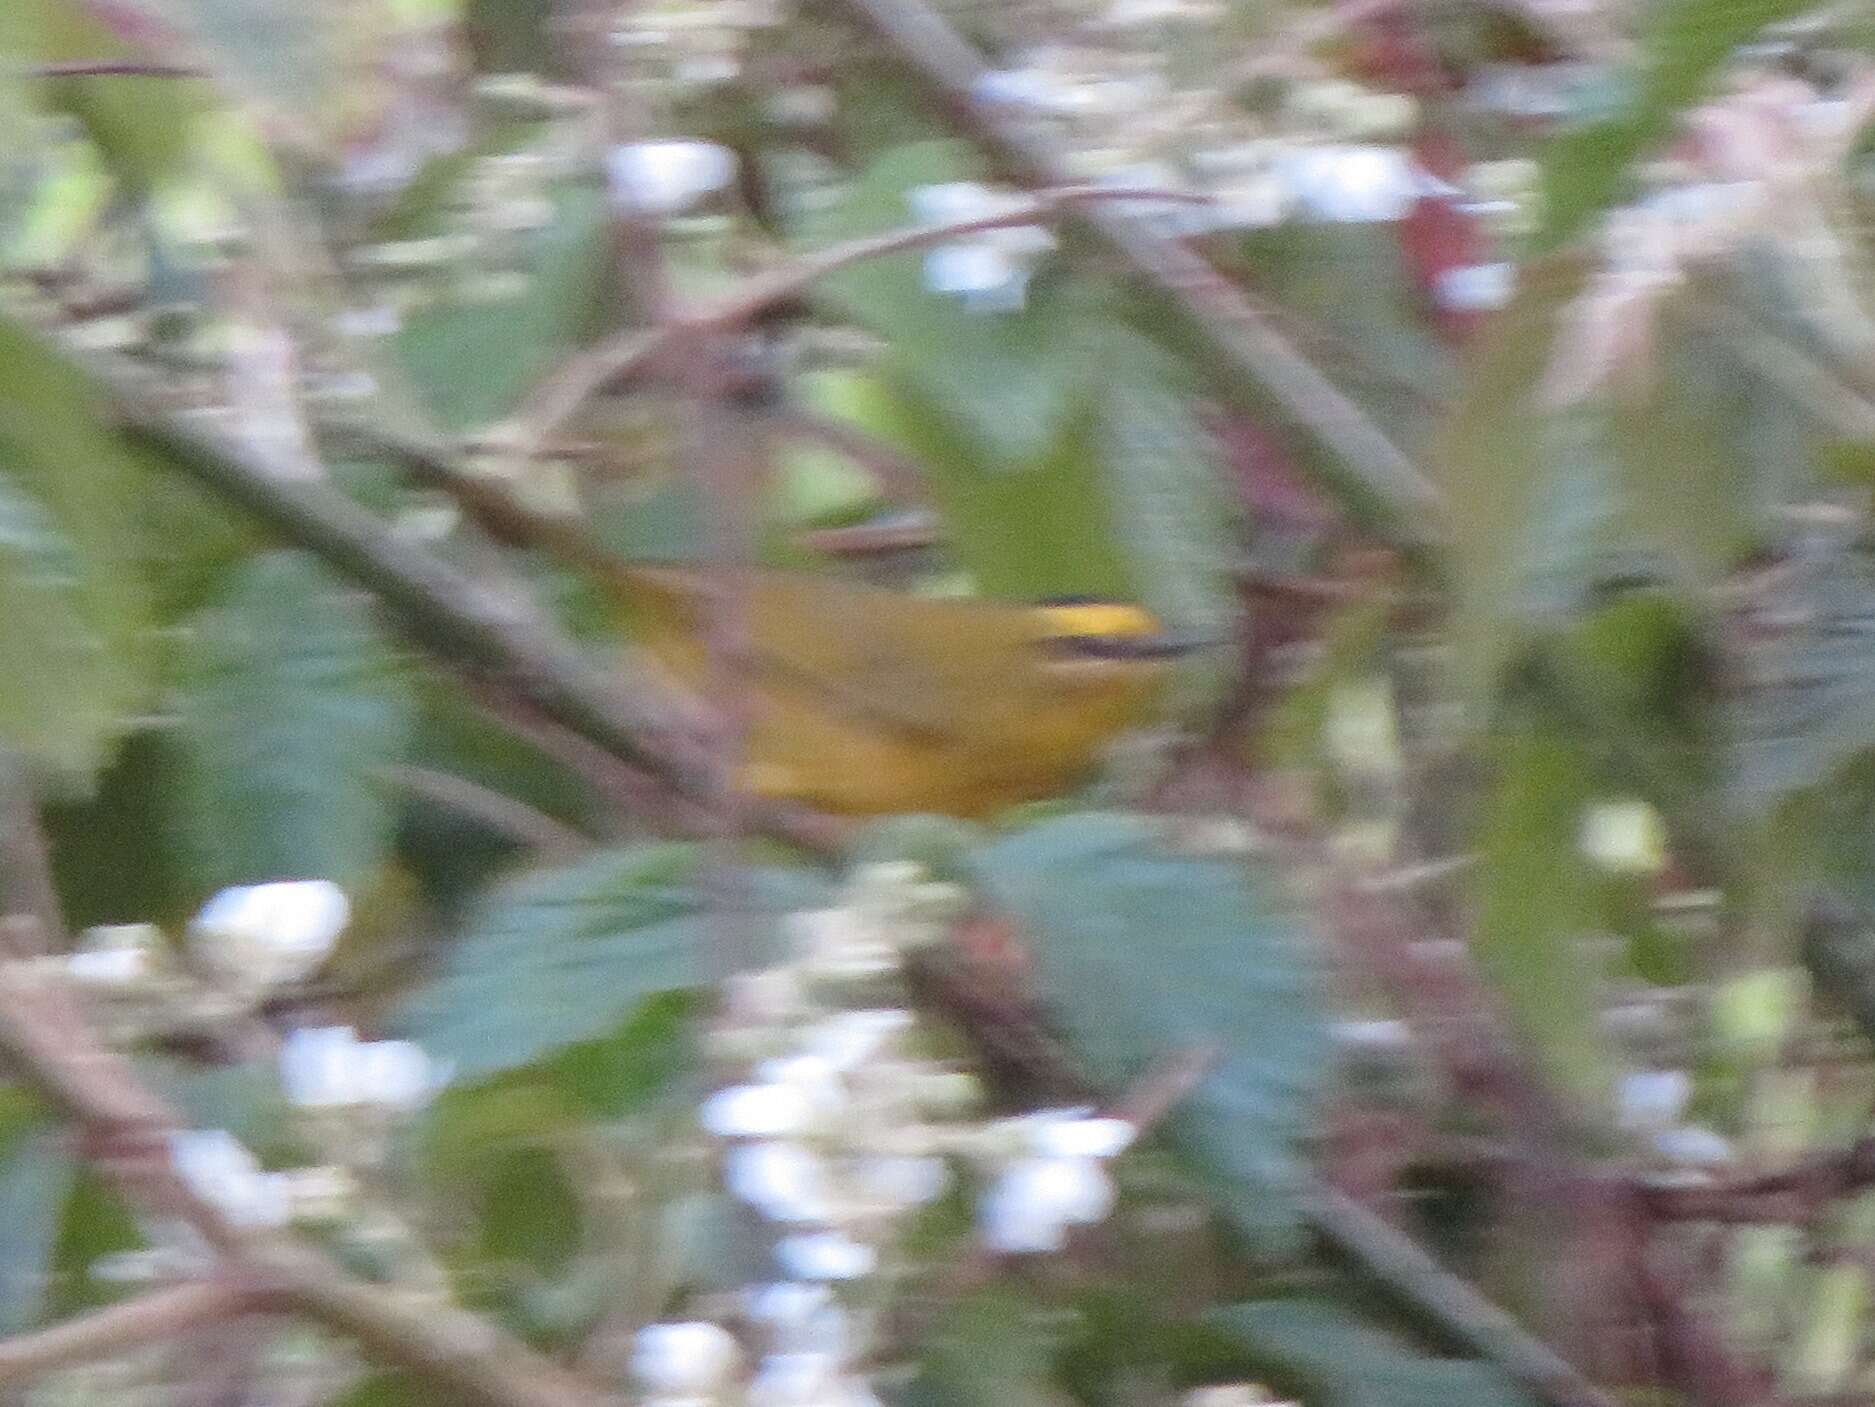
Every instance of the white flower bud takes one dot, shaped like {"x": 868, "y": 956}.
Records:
{"x": 1357, "y": 184}
{"x": 1475, "y": 288}
{"x": 328, "y": 1067}
{"x": 689, "y": 1360}
{"x": 1626, "y": 837}
{"x": 1652, "y": 1099}
{"x": 269, "y": 934}
{"x": 904, "y": 1181}
{"x": 214, "y": 1165}
{"x": 813, "y": 1078}
{"x": 667, "y": 177}
{"x": 783, "y": 1181}
{"x": 1693, "y": 1146}
{"x": 1032, "y": 1201}
{"x": 851, "y": 1038}
{"x": 1074, "y": 1133}
{"x": 116, "y": 956}
{"x": 825, "y": 1255}
{"x": 756, "y": 1111}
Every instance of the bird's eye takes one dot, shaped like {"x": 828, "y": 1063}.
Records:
{"x": 1116, "y": 647}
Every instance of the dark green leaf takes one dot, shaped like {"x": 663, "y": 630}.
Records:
{"x": 1687, "y": 42}
{"x": 1142, "y": 954}
{"x": 291, "y": 706}
{"x": 564, "y": 955}
{"x": 1331, "y": 1359}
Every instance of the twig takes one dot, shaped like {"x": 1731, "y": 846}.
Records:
{"x": 1795, "y": 1194}
{"x": 1248, "y": 357}
{"x": 629, "y": 354}
{"x": 514, "y": 819}
{"x": 116, "y": 68}
{"x": 1409, "y": 1272}
{"x": 44, "y": 1030}
{"x": 1166, "y": 1085}
{"x": 26, "y": 883}
{"x": 118, "y": 1328}
{"x": 443, "y": 610}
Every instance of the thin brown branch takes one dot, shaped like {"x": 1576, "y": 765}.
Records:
{"x": 627, "y": 355}
{"x": 1795, "y": 1194}
{"x": 512, "y": 818}
{"x": 119, "y": 1328}
{"x": 1409, "y": 1272}
{"x": 1248, "y": 357}
{"x": 116, "y": 68}
{"x": 44, "y": 1031}
{"x": 26, "y": 883}
{"x": 1166, "y": 1085}
{"x": 440, "y": 609}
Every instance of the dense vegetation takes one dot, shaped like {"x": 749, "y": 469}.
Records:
{"x": 1459, "y": 992}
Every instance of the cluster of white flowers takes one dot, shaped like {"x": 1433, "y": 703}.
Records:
{"x": 839, "y": 1131}
{"x": 246, "y": 942}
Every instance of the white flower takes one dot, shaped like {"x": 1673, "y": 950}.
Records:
{"x": 793, "y": 1380}
{"x": 1626, "y": 837}
{"x": 1693, "y": 1146}
{"x": 785, "y": 1302}
{"x": 813, "y": 1078}
{"x": 667, "y": 177}
{"x": 1076, "y": 1133}
{"x": 903, "y": 1181}
{"x": 1652, "y": 1099}
{"x": 989, "y": 271}
{"x": 121, "y": 955}
{"x": 783, "y": 1181}
{"x": 689, "y": 1359}
{"x": 825, "y": 1255}
{"x": 268, "y": 934}
{"x": 1377, "y": 1035}
{"x": 329, "y": 1067}
{"x": 1353, "y": 184}
{"x": 851, "y": 1038}
{"x": 215, "y": 1166}
{"x": 1475, "y": 288}
{"x": 756, "y": 1111}
{"x": 1030, "y": 1205}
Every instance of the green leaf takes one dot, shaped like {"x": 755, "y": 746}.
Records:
{"x": 472, "y": 362}
{"x": 1329, "y": 1357}
{"x": 1688, "y": 41}
{"x": 1811, "y": 706}
{"x": 1009, "y": 381}
{"x": 563, "y": 955}
{"x": 36, "y": 1172}
{"x": 1522, "y": 501}
{"x": 1537, "y": 898}
{"x": 291, "y": 705}
{"x": 72, "y": 604}
{"x": 1142, "y": 954}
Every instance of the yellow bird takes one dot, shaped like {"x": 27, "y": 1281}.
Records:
{"x": 866, "y": 701}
